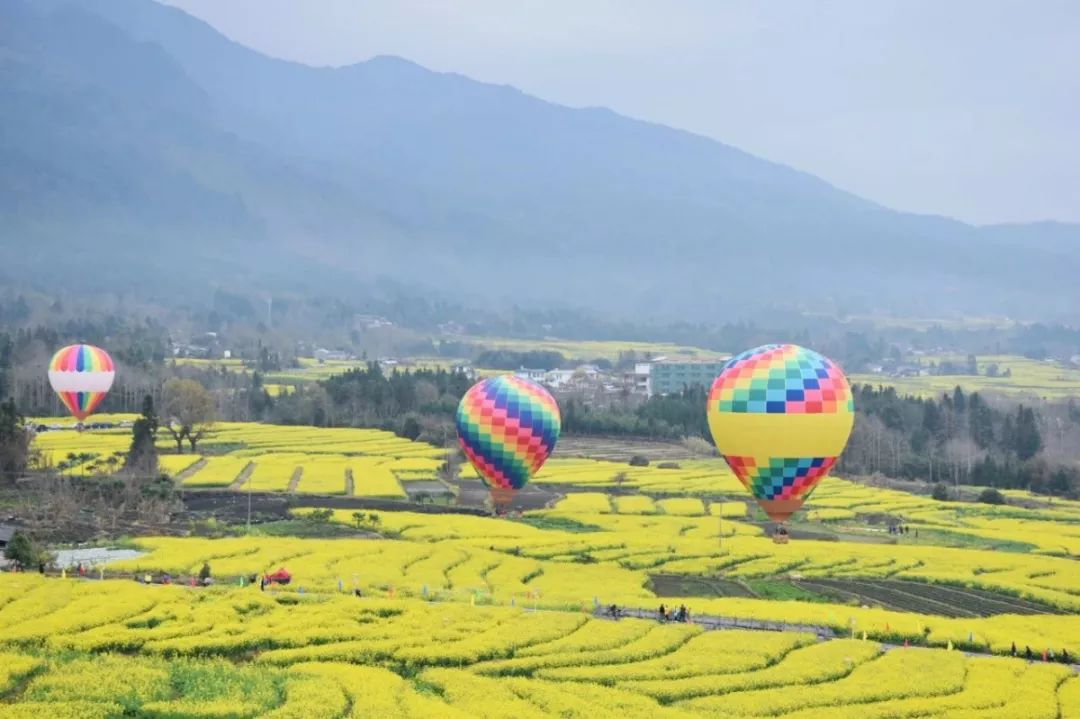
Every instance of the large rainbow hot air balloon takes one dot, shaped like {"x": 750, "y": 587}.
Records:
{"x": 82, "y": 376}
{"x": 507, "y": 427}
{"x": 780, "y": 415}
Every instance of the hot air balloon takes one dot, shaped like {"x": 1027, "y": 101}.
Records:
{"x": 507, "y": 427}
{"x": 780, "y": 415}
{"x": 81, "y": 375}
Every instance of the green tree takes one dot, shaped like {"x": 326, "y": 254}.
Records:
{"x": 142, "y": 455}
{"x": 931, "y": 420}
{"x": 959, "y": 401}
{"x": 980, "y": 421}
{"x": 940, "y": 492}
{"x": 991, "y": 496}
{"x": 14, "y": 441}
{"x": 411, "y": 428}
{"x": 320, "y": 516}
{"x": 1063, "y": 482}
{"x": 1026, "y": 439}
{"x": 24, "y": 552}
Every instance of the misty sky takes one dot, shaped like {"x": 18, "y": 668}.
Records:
{"x": 967, "y": 108}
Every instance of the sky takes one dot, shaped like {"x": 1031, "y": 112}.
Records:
{"x": 965, "y": 108}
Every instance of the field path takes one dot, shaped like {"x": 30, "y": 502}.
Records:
{"x": 181, "y": 476}
{"x": 242, "y": 478}
{"x": 294, "y": 481}
{"x": 711, "y": 623}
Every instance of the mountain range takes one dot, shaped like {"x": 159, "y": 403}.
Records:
{"x": 142, "y": 149}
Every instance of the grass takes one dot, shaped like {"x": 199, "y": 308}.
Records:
{"x": 782, "y": 590}
{"x": 563, "y": 524}
{"x": 948, "y": 538}
{"x": 304, "y": 528}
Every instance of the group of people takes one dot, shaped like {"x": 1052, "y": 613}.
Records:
{"x": 1047, "y": 654}
{"x": 670, "y": 614}
{"x": 163, "y": 578}
{"x": 901, "y": 529}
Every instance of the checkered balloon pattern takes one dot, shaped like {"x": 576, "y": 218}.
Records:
{"x": 507, "y": 427}
{"x": 779, "y": 478}
{"x": 781, "y": 379}
{"x": 780, "y": 415}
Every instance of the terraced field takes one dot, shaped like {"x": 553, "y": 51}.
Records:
{"x": 244, "y": 653}
{"x": 925, "y": 598}
{"x": 573, "y": 561}
{"x": 265, "y": 458}
{"x": 1048, "y": 380}
{"x": 465, "y": 615}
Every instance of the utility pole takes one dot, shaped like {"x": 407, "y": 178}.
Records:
{"x": 720, "y": 522}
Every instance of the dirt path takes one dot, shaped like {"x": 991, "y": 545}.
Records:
{"x": 242, "y": 478}
{"x": 713, "y": 623}
{"x": 233, "y": 505}
{"x": 473, "y": 493}
{"x": 294, "y": 481}
{"x": 181, "y": 476}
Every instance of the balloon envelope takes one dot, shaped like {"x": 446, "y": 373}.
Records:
{"x": 507, "y": 427}
{"x": 81, "y": 375}
{"x": 780, "y": 415}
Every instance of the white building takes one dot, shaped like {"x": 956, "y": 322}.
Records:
{"x": 642, "y": 371}
{"x": 559, "y": 378}
{"x": 322, "y": 355}
{"x": 534, "y": 375}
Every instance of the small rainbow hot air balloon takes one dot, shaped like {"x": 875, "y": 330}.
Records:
{"x": 82, "y": 376}
{"x": 507, "y": 427}
{"x": 780, "y": 416}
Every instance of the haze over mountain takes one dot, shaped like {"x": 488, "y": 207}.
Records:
{"x": 141, "y": 148}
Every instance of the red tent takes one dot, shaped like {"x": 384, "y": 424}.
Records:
{"x": 281, "y": 576}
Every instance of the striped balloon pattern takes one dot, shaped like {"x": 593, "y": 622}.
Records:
{"x": 507, "y": 427}
{"x": 81, "y": 375}
{"x": 780, "y": 415}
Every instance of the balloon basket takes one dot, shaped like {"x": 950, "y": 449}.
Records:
{"x": 501, "y": 497}
{"x": 780, "y": 535}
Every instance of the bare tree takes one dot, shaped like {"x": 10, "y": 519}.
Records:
{"x": 960, "y": 454}
{"x": 189, "y": 411}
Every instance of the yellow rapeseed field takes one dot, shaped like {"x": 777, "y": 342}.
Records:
{"x": 462, "y": 615}
{"x": 71, "y": 648}
{"x": 377, "y": 459}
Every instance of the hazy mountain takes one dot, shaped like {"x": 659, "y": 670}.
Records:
{"x": 137, "y": 138}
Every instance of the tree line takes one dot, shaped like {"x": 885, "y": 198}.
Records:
{"x": 961, "y": 438}
{"x": 955, "y": 438}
